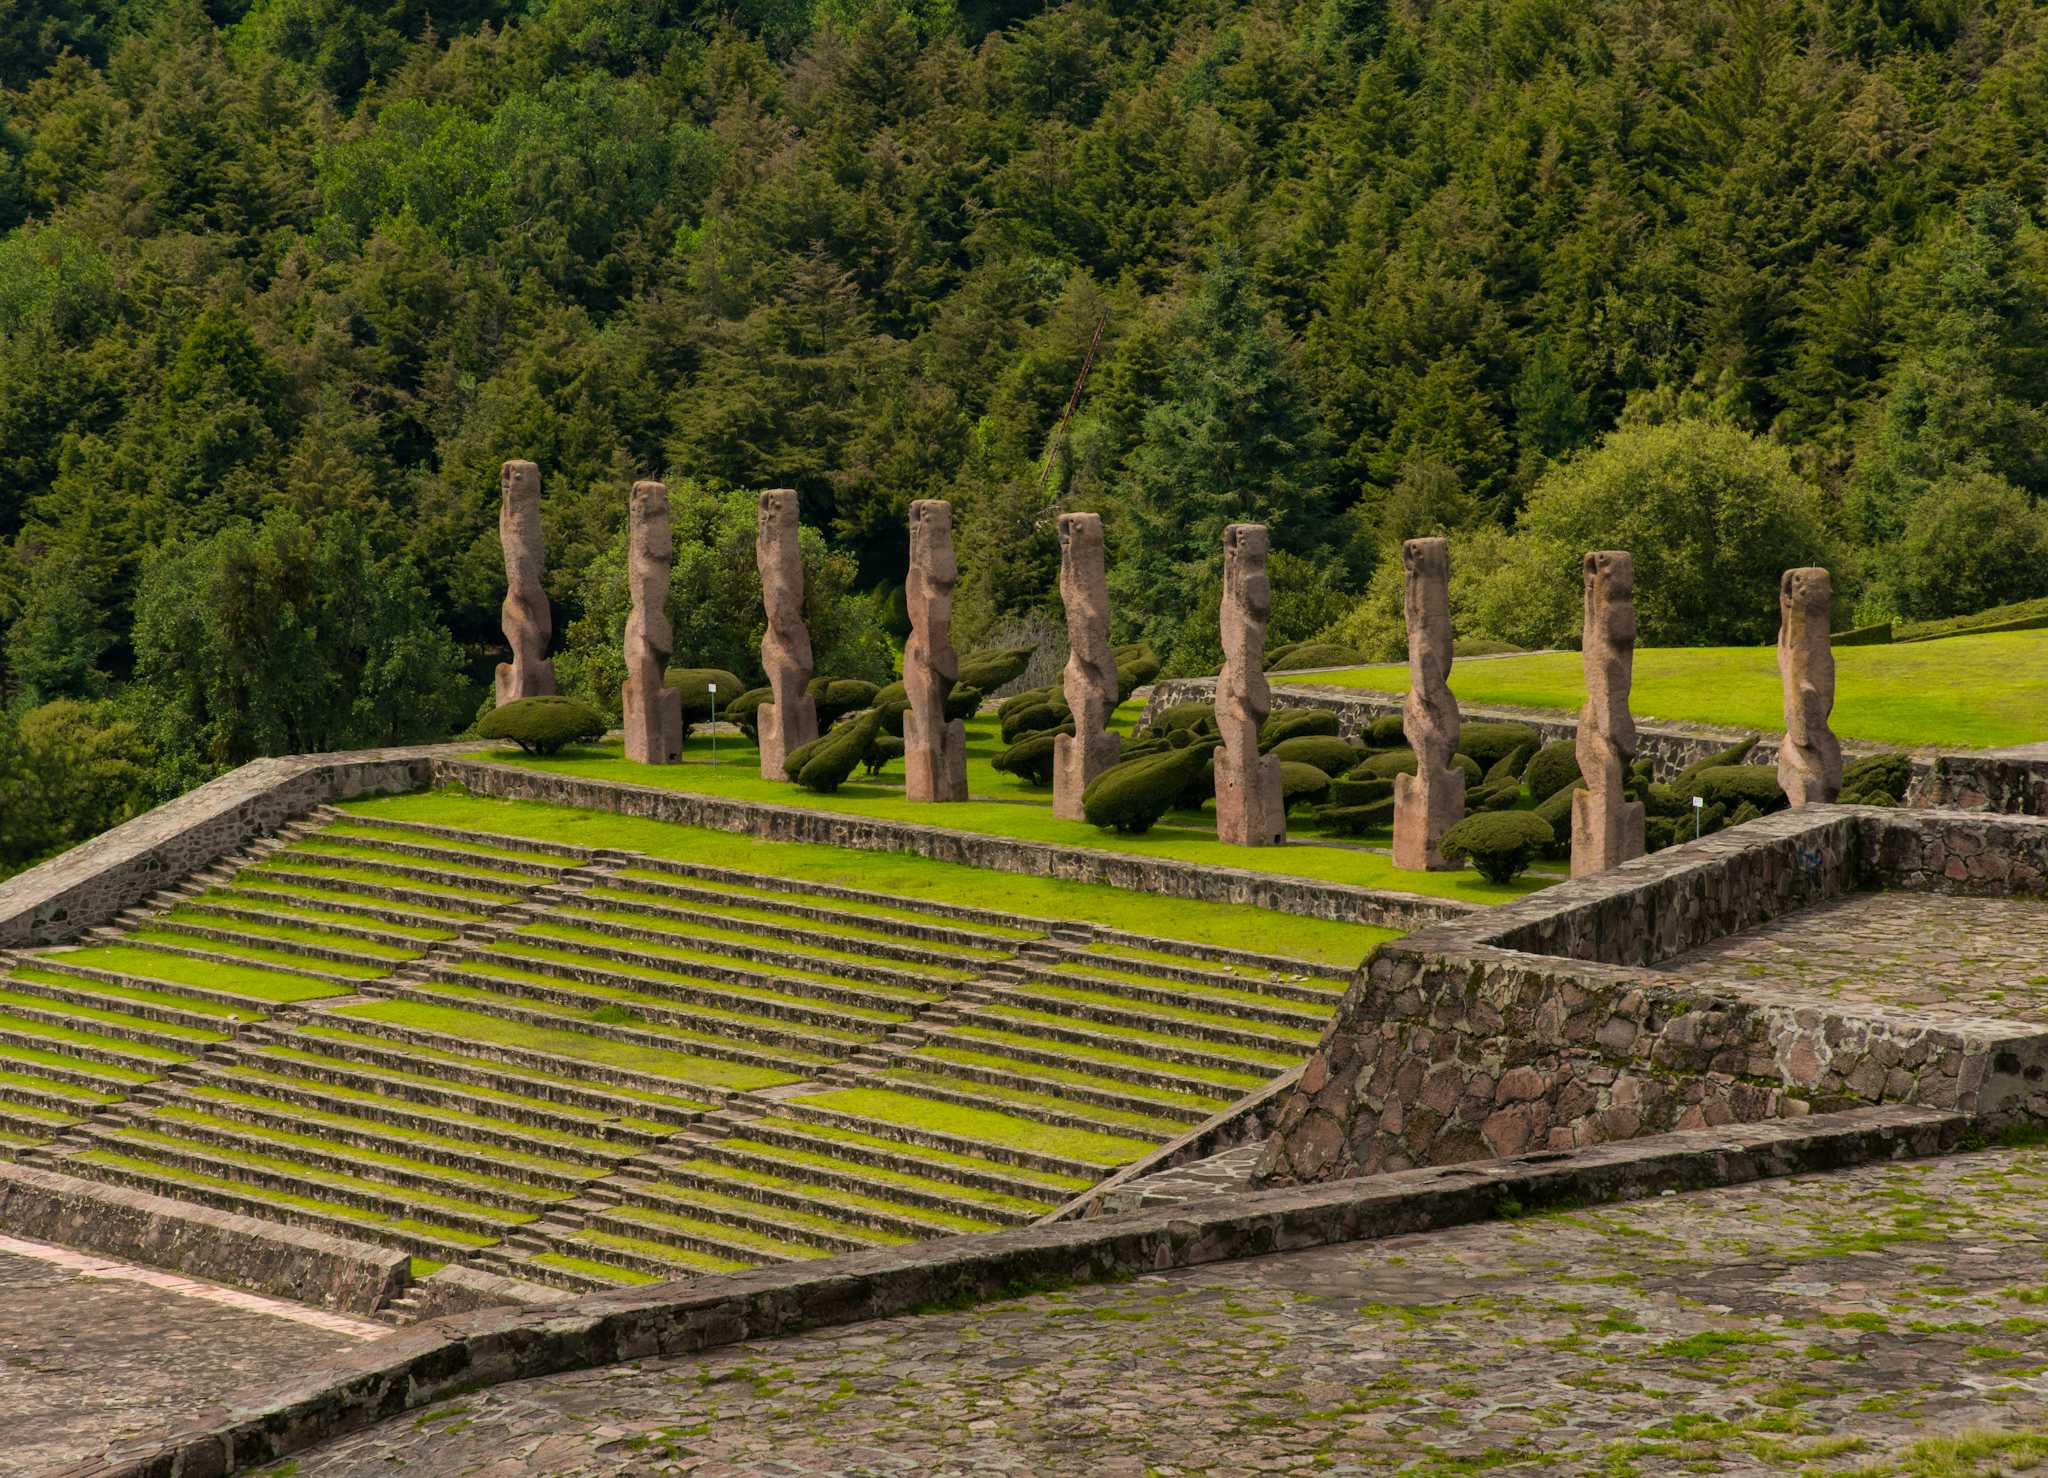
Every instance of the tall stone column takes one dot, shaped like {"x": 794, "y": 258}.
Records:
{"x": 1607, "y": 827}
{"x": 528, "y": 620}
{"x": 1810, "y": 760}
{"x": 1250, "y": 811}
{"x": 1432, "y": 800}
{"x": 791, "y": 721}
{"x": 1091, "y": 666}
{"x": 653, "y": 712}
{"x": 934, "y": 751}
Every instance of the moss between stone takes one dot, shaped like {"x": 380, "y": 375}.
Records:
{"x": 196, "y": 1005}
{"x": 1052, "y": 1180}
{"x": 693, "y": 929}
{"x": 1220, "y": 1077}
{"x": 192, "y": 1037}
{"x": 987, "y": 1126}
{"x": 592, "y": 1269}
{"x": 621, "y": 999}
{"x": 835, "y": 928}
{"x": 1087, "y": 973}
{"x": 902, "y": 1179}
{"x": 1310, "y": 979}
{"x": 554, "y": 941}
{"x": 783, "y": 895}
{"x": 742, "y": 1206}
{"x": 1175, "y": 1040}
{"x": 683, "y": 1257}
{"x": 247, "y": 981}
{"x": 713, "y": 1231}
{"x": 369, "y": 834}
{"x": 1080, "y": 996}
{"x": 56, "y": 1088}
{"x": 963, "y": 1057}
{"x": 294, "y": 933}
{"x": 122, "y": 1077}
{"x": 357, "y": 852}
{"x": 256, "y": 954}
{"x": 248, "y": 897}
{"x": 829, "y": 1195}
{"x": 331, "y": 871}
{"x": 912, "y": 1075}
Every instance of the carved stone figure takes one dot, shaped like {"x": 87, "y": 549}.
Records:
{"x": 1250, "y": 811}
{"x": 792, "y": 719}
{"x": 653, "y": 711}
{"x": 1432, "y": 800}
{"x": 1810, "y": 760}
{"x": 526, "y": 615}
{"x": 1091, "y": 666}
{"x": 934, "y": 751}
{"x": 1607, "y": 827}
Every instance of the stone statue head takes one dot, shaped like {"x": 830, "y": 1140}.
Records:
{"x": 1424, "y": 559}
{"x": 650, "y": 531}
{"x": 1246, "y": 585}
{"x": 1611, "y": 595}
{"x": 931, "y": 542}
{"x": 1080, "y": 539}
{"x": 1809, "y": 589}
{"x": 518, "y": 480}
{"x": 778, "y": 509}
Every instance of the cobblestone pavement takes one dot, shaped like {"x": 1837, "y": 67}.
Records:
{"x": 1944, "y": 956}
{"x": 88, "y": 1361}
{"x": 1887, "y": 1320}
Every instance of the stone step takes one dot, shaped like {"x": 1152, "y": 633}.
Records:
{"x": 57, "y": 964}
{"x": 709, "y": 1239}
{"x": 859, "y": 1177}
{"x": 399, "y": 869}
{"x": 744, "y": 961}
{"x": 1265, "y": 961}
{"x": 796, "y": 1226}
{"x": 1074, "y": 1114}
{"x": 686, "y": 900}
{"x": 96, "y": 994}
{"x": 133, "y": 1028}
{"x": 238, "y": 913}
{"x": 355, "y": 905}
{"x": 79, "y": 1071}
{"x": 825, "y": 893}
{"x": 109, "y": 1050}
{"x": 898, "y": 1218}
{"x": 446, "y": 853}
{"x": 1242, "y": 1034}
{"x": 572, "y": 854}
{"x": 1198, "y": 974}
{"x": 1166, "y": 1050}
{"x": 959, "y": 1144}
{"x": 45, "y": 1099}
{"x": 547, "y": 1274}
{"x": 1029, "y": 1077}
{"x": 1252, "y": 1003}
{"x": 801, "y": 935}
{"x": 225, "y": 957}
{"x": 25, "y": 1122}
{"x": 314, "y": 876}
{"x": 225, "y": 933}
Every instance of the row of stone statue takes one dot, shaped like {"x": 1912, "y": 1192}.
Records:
{"x": 1607, "y": 827}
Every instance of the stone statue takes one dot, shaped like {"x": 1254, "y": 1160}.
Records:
{"x": 934, "y": 751}
{"x": 1432, "y": 800}
{"x": 1250, "y": 811}
{"x": 1810, "y": 760}
{"x": 528, "y": 621}
{"x": 792, "y": 719}
{"x": 653, "y": 711}
{"x": 1607, "y": 827}
{"x": 1091, "y": 666}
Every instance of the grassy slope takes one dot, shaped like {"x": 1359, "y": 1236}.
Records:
{"x": 1237, "y": 925}
{"x": 1966, "y": 692}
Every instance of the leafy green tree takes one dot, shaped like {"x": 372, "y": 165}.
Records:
{"x": 1972, "y": 542}
{"x": 68, "y": 771}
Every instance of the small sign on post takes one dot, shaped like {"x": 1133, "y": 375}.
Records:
{"x": 714, "y": 724}
{"x": 1699, "y": 803}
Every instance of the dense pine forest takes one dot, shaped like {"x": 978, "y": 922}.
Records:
{"x": 1734, "y": 284}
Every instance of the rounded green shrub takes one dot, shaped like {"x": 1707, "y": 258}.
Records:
{"x": 825, "y": 762}
{"x": 991, "y": 669}
{"x": 1133, "y": 794}
{"x": 1136, "y": 665}
{"x": 1391, "y": 762}
{"x": 1047, "y": 713}
{"x": 1734, "y": 754}
{"x": 1328, "y": 753}
{"x": 1489, "y": 744}
{"x": 1556, "y": 811}
{"x": 1302, "y": 784}
{"x": 1305, "y": 655}
{"x": 1510, "y": 766}
{"x": 1294, "y": 723}
{"x": 1354, "y": 820}
{"x": 836, "y": 697}
{"x": 1877, "y": 774}
{"x": 1388, "y": 731}
{"x": 1551, "y": 768}
{"x": 963, "y": 702}
{"x": 885, "y": 748}
{"x": 1733, "y": 785}
{"x": 1346, "y": 790}
{"x": 1498, "y": 796}
{"x": 744, "y": 709}
{"x": 892, "y": 702}
{"x": 1279, "y": 653}
{"x": 1500, "y": 844}
{"x": 1743, "y": 814}
{"x": 543, "y": 725}
{"x": 694, "y": 684}
{"x": 1185, "y": 716}
{"x": 1030, "y": 759}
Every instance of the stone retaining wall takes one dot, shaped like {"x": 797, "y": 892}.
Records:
{"x": 1536, "y": 1025}
{"x": 431, "y": 1362}
{"x": 219, "y": 1246}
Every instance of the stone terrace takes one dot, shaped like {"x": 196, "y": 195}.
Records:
{"x": 585, "y": 1068}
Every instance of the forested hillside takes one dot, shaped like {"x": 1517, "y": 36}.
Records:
{"x": 1733, "y": 283}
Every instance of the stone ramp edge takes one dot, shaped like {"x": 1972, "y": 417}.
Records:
{"x": 432, "y": 1361}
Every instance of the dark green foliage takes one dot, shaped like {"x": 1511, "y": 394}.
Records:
{"x": 1346, "y": 790}
{"x": 1278, "y": 652}
{"x": 1136, "y": 665}
{"x": 1875, "y": 635}
{"x": 1666, "y": 800}
{"x": 1489, "y": 744}
{"x": 1887, "y": 775}
{"x": 1328, "y": 753}
{"x": 1733, "y": 785}
{"x": 1482, "y": 646}
{"x": 1302, "y": 785}
{"x": 1510, "y": 766}
{"x": 695, "y": 683}
{"x": 1354, "y": 820}
{"x": 1388, "y": 732}
{"x": 1734, "y": 754}
{"x": 992, "y": 669}
{"x": 68, "y": 771}
{"x": 743, "y": 709}
{"x": 1743, "y": 813}
{"x": 838, "y": 696}
{"x": 1316, "y": 654}
{"x": 1048, "y": 712}
{"x": 1500, "y": 844}
{"x": 1498, "y": 796}
{"x": 824, "y": 764}
{"x": 1131, "y": 795}
{"x": 543, "y": 725}
{"x": 1389, "y": 762}
{"x": 1185, "y": 716}
{"x": 883, "y": 749}
{"x": 893, "y": 702}
{"x": 896, "y": 613}
{"x": 1552, "y": 767}
{"x": 2026, "y": 615}
{"x": 1294, "y": 723}
{"x": 1030, "y": 759}
{"x": 963, "y": 702}
{"x": 1556, "y": 811}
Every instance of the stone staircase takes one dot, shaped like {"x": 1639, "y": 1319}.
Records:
{"x": 584, "y": 1067}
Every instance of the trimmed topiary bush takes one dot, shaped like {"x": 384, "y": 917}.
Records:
{"x": 1355, "y": 820}
{"x": 836, "y": 697}
{"x": 892, "y": 702}
{"x": 743, "y": 709}
{"x": 885, "y": 748}
{"x": 694, "y": 684}
{"x": 1133, "y": 794}
{"x": 1551, "y": 768}
{"x": 1136, "y": 665}
{"x": 989, "y": 670}
{"x": 1489, "y": 744}
{"x": 543, "y": 725}
{"x": 1047, "y": 713}
{"x": 824, "y": 763}
{"x": 1885, "y": 775}
{"x": 1295, "y": 723}
{"x": 1349, "y": 790}
{"x": 963, "y": 702}
{"x": 1498, "y": 796}
{"x": 1500, "y": 844}
{"x": 1185, "y": 716}
{"x": 1316, "y": 654}
{"x": 1302, "y": 784}
{"x": 1391, "y": 762}
{"x": 1030, "y": 758}
{"x": 1734, "y": 754}
{"x": 1510, "y": 766}
{"x": 1388, "y": 731}
{"x": 1556, "y": 811}
{"x": 1328, "y": 753}
{"x": 1732, "y": 785}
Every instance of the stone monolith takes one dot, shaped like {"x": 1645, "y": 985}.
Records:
{"x": 1250, "y": 811}
{"x": 1091, "y": 666}
{"x": 1607, "y": 827}
{"x": 653, "y": 711}
{"x": 1432, "y": 800}
{"x": 1810, "y": 760}
{"x": 792, "y": 719}
{"x": 527, "y": 619}
{"x": 934, "y": 751}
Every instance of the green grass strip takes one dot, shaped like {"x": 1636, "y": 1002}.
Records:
{"x": 788, "y": 961}
{"x": 331, "y": 871}
{"x": 1308, "y": 1036}
{"x": 55, "y": 1118}
{"x": 425, "y": 1267}
{"x": 1218, "y": 1077}
{"x": 545, "y": 948}
{"x": 1309, "y": 979}
{"x": 474, "y": 1026}
{"x": 194, "y": 1037}
{"x": 197, "y": 1005}
{"x": 964, "y": 1058}
{"x": 148, "y": 1051}
{"x": 616, "y": 1013}
{"x": 247, "y": 981}
{"x": 1223, "y": 987}
{"x": 121, "y": 1077}
{"x": 1051, "y": 1180}
{"x": 861, "y": 907}
{"x": 1027, "y": 1016}
{"x": 57, "y": 1088}
{"x": 256, "y": 954}
{"x": 689, "y": 1226}
{"x": 742, "y": 1206}
{"x": 312, "y": 898}
{"x": 682, "y": 1257}
{"x": 901, "y": 1179}
{"x": 832, "y": 929}
{"x": 445, "y": 867}
{"x": 832, "y": 1195}
{"x": 173, "y": 1175}
{"x": 911, "y": 1077}
{"x": 591, "y": 1269}
{"x": 369, "y": 834}
{"x": 988, "y": 1126}
{"x": 295, "y": 933}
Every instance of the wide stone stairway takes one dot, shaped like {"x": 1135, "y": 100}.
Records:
{"x": 586, "y": 1067}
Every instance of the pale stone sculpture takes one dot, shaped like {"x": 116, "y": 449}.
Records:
{"x": 526, "y": 615}
{"x": 1250, "y": 811}
{"x": 934, "y": 751}
{"x": 653, "y": 711}
{"x": 1810, "y": 760}
{"x": 1091, "y": 666}
{"x": 1432, "y": 800}
{"x": 1607, "y": 827}
{"x": 792, "y": 719}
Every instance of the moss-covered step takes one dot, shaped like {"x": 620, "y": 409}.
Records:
{"x": 397, "y": 865}
{"x": 1184, "y": 1106}
{"x": 1248, "y": 1001}
{"x": 812, "y": 1163}
{"x": 464, "y": 837}
{"x": 235, "y": 953}
{"x": 651, "y": 1261}
{"x": 179, "y": 975}
{"x": 286, "y": 937}
{"x": 930, "y": 1080}
{"x": 177, "y": 1011}
{"x": 943, "y": 1217}
{"x": 742, "y": 1219}
{"x": 680, "y": 901}
{"x": 330, "y": 876}
{"x": 668, "y": 923}
{"x": 464, "y": 856}
{"x": 292, "y": 899}
{"x": 1154, "y": 965}
{"x": 1113, "y": 1009}
{"x": 120, "y": 1025}
{"x": 841, "y": 966}
{"x": 987, "y": 1133}
{"x": 33, "y": 1032}
{"x": 1118, "y": 1062}
{"x": 725, "y": 1239}
{"x": 854, "y": 1141}
{"x": 275, "y": 918}
{"x": 1165, "y": 1048}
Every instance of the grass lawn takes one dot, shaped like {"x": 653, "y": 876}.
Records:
{"x": 1238, "y": 926}
{"x": 1963, "y": 693}
{"x": 1006, "y": 807}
